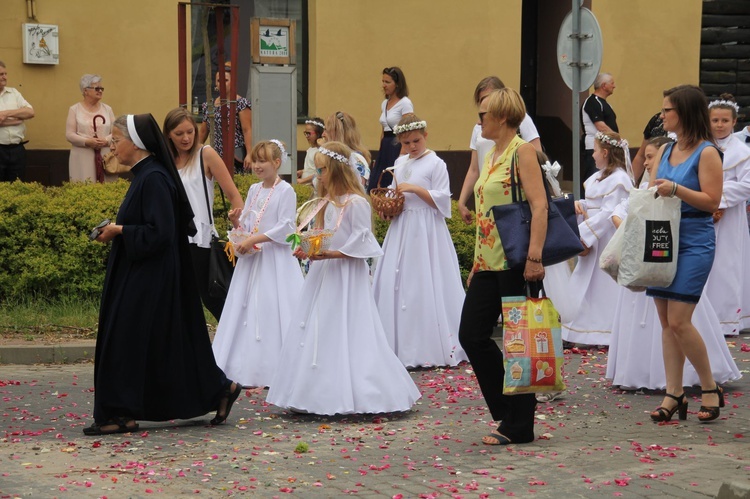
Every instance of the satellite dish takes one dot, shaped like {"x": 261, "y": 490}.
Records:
{"x": 591, "y": 50}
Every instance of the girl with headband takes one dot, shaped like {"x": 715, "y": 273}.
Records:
{"x": 422, "y": 328}
{"x": 267, "y": 280}
{"x": 335, "y": 358}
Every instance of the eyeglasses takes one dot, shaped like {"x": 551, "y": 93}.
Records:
{"x": 98, "y": 89}
{"x": 321, "y": 170}
{"x": 391, "y": 72}
{"x": 307, "y": 134}
{"x": 481, "y": 116}
{"x": 665, "y": 110}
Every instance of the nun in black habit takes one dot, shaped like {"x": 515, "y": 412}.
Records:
{"x": 153, "y": 355}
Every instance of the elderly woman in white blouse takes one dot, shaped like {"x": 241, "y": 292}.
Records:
{"x": 79, "y": 130}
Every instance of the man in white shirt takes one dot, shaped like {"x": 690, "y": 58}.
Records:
{"x": 14, "y": 111}
{"x": 596, "y": 116}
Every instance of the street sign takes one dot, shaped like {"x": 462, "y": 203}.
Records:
{"x": 590, "y": 61}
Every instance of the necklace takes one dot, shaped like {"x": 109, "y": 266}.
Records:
{"x": 410, "y": 162}
{"x": 265, "y": 204}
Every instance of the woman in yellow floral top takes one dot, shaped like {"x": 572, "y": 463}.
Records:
{"x": 500, "y": 114}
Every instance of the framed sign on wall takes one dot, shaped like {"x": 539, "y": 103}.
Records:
{"x": 40, "y": 44}
{"x": 272, "y": 41}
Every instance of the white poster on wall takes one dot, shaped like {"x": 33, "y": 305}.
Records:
{"x": 40, "y": 44}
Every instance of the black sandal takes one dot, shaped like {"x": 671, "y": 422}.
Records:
{"x": 713, "y": 412}
{"x": 120, "y": 423}
{"x": 230, "y": 397}
{"x": 663, "y": 414}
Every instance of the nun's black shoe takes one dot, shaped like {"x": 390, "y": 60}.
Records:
{"x": 230, "y": 397}
{"x": 114, "y": 425}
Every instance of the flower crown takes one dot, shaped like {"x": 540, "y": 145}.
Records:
{"x": 724, "y": 103}
{"x": 334, "y": 155}
{"x": 315, "y": 123}
{"x": 409, "y": 127}
{"x": 281, "y": 147}
{"x": 603, "y": 137}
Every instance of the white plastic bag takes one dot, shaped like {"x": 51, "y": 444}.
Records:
{"x": 651, "y": 240}
{"x": 609, "y": 261}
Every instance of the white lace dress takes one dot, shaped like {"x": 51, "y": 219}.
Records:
{"x": 335, "y": 358}
{"x": 263, "y": 294}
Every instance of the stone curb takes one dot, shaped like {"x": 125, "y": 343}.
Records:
{"x": 734, "y": 490}
{"x": 60, "y": 353}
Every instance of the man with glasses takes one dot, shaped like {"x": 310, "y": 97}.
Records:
{"x": 14, "y": 110}
{"x": 597, "y": 116}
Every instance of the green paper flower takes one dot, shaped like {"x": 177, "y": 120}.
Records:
{"x": 294, "y": 239}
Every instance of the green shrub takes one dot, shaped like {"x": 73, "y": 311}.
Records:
{"x": 45, "y": 252}
{"x": 44, "y": 246}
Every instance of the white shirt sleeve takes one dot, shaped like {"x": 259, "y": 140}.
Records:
{"x": 528, "y": 129}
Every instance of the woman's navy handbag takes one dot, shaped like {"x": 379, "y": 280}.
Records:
{"x": 513, "y": 223}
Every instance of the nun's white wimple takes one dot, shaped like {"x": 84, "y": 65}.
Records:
{"x": 134, "y": 134}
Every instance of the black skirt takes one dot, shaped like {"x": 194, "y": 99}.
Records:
{"x": 390, "y": 149}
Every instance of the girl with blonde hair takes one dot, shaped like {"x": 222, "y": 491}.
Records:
{"x": 341, "y": 127}
{"x": 266, "y": 282}
{"x": 335, "y": 355}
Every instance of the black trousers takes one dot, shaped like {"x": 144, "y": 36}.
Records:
{"x": 12, "y": 162}
{"x": 200, "y": 257}
{"x": 482, "y": 307}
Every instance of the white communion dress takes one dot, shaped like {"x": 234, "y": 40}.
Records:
{"x": 335, "y": 358}
{"x": 417, "y": 283}
{"x": 263, "y": 293}
{"x": 587, "y": 303}
{"x": 728, "y": 285}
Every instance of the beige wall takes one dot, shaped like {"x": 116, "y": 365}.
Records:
{"x": 443, "y": 47}
{"x": 132, "y": 45}
{"x": 648, "y": 47}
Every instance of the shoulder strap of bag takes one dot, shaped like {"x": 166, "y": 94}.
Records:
{"x": 515, "y": 185}
{"x": 205, "y": 191}
{"x": 205, "y": 187}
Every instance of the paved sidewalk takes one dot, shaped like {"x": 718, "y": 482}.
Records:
{"x": 594, "y": 442}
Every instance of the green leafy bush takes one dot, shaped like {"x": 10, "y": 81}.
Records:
{"x": 45, "y": 252}
{"x": 44, "y": 246}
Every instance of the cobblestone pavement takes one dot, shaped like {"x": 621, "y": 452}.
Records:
{"x": 596, "y": 441}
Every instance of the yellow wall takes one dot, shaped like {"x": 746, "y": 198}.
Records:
{"x": 648, "y": 47}
{"x": 134, "y": 52}
{"x": 444, "y": 48}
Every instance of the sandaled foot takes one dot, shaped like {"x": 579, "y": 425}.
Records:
{"x": 495, "y": 438}
{"x": 666, "y": 410}
{"x": 114, "y": 425}
{"x": 548, "y": 397}
{"x": 231, "y": 394}
{"x": 711, "y": 412}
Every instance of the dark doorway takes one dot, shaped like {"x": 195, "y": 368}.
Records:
{"x": 547, "y": 97}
